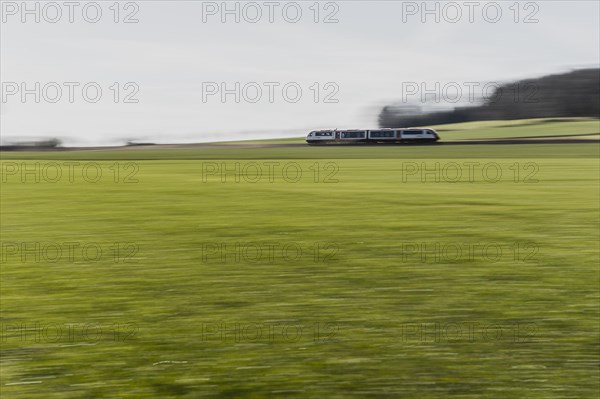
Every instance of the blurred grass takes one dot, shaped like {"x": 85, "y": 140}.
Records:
{"x": 360, "y": 301}
{"x": 328, "y": 152}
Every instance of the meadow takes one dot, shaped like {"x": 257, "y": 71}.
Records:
{"x": 304, "y": 272}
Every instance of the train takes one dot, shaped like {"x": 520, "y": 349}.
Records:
{"x": 379, "y": 136}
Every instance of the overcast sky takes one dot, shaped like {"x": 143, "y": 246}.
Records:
{"x": 167, "y": 69}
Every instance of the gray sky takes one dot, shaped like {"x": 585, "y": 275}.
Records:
{"x": 178, "y": 50}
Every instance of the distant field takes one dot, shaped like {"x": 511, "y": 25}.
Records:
{"x": 295, "y": 148}
{"x": 303, "y": 272}
{"x": 497, "y": 129}
{"x": 521, "y": 128}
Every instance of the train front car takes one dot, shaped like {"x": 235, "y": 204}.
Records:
{"x": 431, "y": 135}
{"x": 418, "y": 135}
{"x": 320, "y": 137}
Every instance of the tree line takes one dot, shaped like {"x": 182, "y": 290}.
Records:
{"x": 572, "y": 94}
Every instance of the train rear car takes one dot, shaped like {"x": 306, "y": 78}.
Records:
{"x": 321, "y": 137}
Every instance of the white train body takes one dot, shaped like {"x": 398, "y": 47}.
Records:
{"x": 408, "y": 135}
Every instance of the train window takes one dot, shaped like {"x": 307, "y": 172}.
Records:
{"x": 323, "y": 134}
{"x": 408, "y": 132}
{"x": 383, "y": 133}
{"x": 353, "y": 135}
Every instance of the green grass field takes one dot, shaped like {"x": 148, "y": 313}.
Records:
{"x": 419, "y": 272}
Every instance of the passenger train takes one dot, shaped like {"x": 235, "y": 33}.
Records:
{"x": 379, "y": 136}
